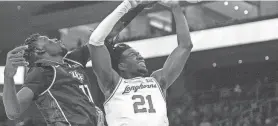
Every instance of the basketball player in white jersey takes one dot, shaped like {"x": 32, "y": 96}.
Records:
{"x": 131, "y": 98}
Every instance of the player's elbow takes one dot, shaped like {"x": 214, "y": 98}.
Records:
{"x": 185, "y": 44}
{"x": 13, "y": 116}
{"x": 190, "y": 45}
{"x": 12, "y": 112}
{"x": 184, "y": 50}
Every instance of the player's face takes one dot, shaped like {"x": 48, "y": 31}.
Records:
{"x": 134, "y": 62}
{"x": 52, "y": 47}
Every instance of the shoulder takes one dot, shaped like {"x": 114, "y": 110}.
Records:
{"x": 157, "y": 75}
{"x": 72, "y": 57}
{"x": 74, "y": 63}
{"x": 78, "y": 52}
{"x": 39, "y": 73}
{"x": 38, "y": 79}
{"x": 79, "y": 55}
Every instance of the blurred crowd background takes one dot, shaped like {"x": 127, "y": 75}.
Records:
{"x": 230, "y": 79}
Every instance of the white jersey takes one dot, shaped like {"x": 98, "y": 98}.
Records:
{"x": 136, "y": 102}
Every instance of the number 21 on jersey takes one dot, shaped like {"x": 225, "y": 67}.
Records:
{"x": 138, "y": 105}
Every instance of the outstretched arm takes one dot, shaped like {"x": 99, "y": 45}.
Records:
{"x": 15, "y": 103}
{"x": 177, "y": 59}
{"x": 101, "y": 60}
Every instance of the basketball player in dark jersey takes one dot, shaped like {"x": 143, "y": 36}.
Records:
{"x": 56, "y": 80}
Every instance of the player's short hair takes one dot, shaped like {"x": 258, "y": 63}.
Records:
{"x": 29, "y": 53}
{"x": 116, "y": 51}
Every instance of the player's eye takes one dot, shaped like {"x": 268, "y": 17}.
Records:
{"x": 131, "y": 54}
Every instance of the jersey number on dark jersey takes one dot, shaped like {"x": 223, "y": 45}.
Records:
{"x": 142, "y": 102}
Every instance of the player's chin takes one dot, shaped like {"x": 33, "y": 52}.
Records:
{"x": 143, "y": 70}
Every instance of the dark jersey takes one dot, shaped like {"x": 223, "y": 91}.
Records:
{"x": 61, "y": 91}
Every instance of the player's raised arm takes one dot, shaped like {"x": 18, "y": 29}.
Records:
{"x": 177, "y": 59}
{"x": 15, "y": 103}
{"x": 101, "y": 60}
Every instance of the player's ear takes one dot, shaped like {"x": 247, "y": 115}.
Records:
{"x": 122, "y": 66}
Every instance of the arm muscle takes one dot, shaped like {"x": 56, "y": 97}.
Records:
{"x": 177, "y": 59}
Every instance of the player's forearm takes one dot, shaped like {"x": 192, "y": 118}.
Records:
{"x": 101, "y": 64}
{"x": 105, "y": 27}
{"x": 183, "y": 33}
{"x": 12, "y": 106}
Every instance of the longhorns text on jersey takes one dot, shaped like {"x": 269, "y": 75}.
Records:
{"x": 136, "y": 102}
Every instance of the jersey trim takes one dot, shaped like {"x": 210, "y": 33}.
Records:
{"x": 67, "y": 54}
{"x": 54, "y": 78}
{"x": 74, "y": 61}
{"x": 117, "y": 86}
{"x": 161, "y": 91}
{"x": 59, "y": 107}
